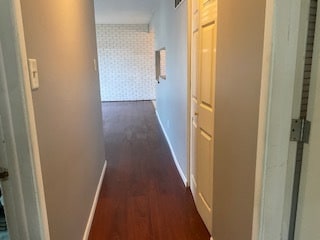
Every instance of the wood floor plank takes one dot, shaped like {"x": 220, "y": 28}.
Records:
{"x": 142, "y": 195}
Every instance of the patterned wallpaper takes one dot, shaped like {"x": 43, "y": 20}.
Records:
{"x": 126, "y": 62}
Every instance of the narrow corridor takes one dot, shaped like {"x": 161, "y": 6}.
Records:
{"x": 142, "y": 196}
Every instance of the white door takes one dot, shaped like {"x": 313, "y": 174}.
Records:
{"x": 203, "y": 49}
{"x": 308, "y": 213}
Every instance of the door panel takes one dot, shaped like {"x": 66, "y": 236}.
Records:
{"x": 205, "y": 180}
{"x": 193, "y": 165}
{"x": 206, "y": 66}
{"x": 206, "y": 118}
{"x": 205, "y": 166}
{"x": 194, "y": 65}
{"x": 208, "y": 11}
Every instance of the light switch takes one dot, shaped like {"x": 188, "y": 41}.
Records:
{"x": 33, "y": 72}
{"x": 95, "y": 65}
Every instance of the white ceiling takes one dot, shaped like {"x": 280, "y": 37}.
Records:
{"x": 124, "y": 11}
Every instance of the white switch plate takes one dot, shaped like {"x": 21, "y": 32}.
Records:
{"x": 95, "y": 65}
{"x": 33, "y": 72}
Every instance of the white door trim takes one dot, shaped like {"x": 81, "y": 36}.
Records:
{"x": 29, "y": 167}
{"x": 189, "y": 31}
{"x": 273, "y": 165}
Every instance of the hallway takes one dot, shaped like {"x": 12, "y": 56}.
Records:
{"x": 142, "y": 196}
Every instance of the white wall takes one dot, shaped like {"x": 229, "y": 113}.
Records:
{"x": 170, "y": 28}
{"x": 126, "y": 62}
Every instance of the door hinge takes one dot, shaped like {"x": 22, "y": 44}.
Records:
{"x": 300, "y": 130}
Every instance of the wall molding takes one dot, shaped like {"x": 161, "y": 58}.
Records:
{"x": 183, "y": 177}
{"x": 95, "y": 201}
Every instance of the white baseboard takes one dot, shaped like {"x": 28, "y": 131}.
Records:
{"x": 154, "y": 104}
{"x": 184, "y": 179}
{"x": 95, "y": 201}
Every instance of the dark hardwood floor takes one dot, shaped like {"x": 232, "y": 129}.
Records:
{"x": 142, "y": 196}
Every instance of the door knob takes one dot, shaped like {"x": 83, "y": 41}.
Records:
{"x": 4, "y": 174}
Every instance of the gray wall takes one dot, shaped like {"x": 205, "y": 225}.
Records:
{"x": 239, "y": 62}
{"x": 61, "y": 36}
{"x": 170, "y": 28}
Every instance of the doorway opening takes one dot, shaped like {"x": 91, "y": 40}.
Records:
{"x": 309, "y": 50}
{"x": 3, "y": 221}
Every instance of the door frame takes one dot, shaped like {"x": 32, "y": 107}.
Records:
{"x": 279, "y": 98}
{"x": 24, "y": 129}
{"x": 189, "y": 120}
